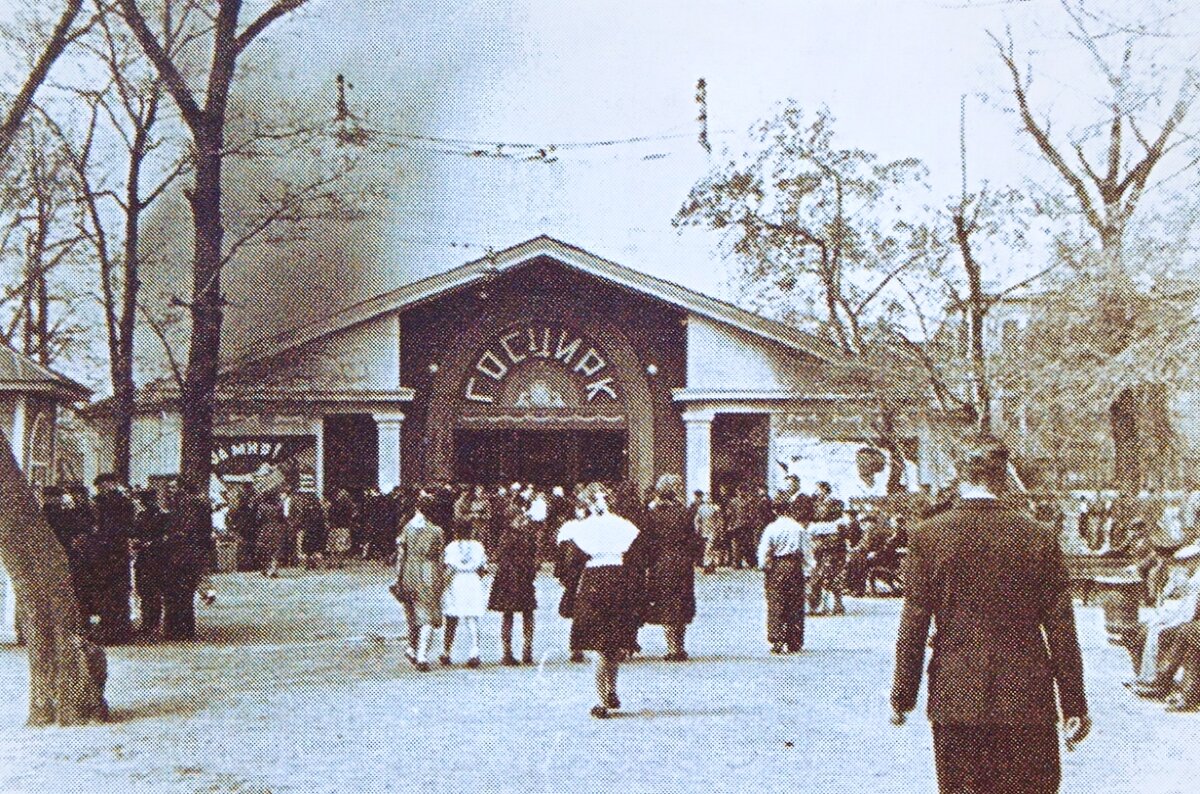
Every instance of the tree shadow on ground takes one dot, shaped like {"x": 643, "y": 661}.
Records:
{"x": 171, "y": 706}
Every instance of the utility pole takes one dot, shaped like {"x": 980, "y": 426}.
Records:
{"x": 702, "y": 114}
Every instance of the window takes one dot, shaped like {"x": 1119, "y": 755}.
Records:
{"x": 41, "y": 450}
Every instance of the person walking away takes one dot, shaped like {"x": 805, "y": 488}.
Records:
{"x": 512, "y": 589}
{"x": 151, "y": 560}
{"x": 466, "y": 563}
{"x": 243, "y": 523}
{"x": 114, "y": 513}
{"x": 829, "y": 548}
{"x": 995, "y": 582}
{"x": 710, "y": 528}
{"x": 420, "y": 580}
{"x": 609, "y": 595}
{"x": 785, "y": 554}
{"x": 313, "y": 530}
{"x": 671, "y": 583}
{"x": 272, "y": 532}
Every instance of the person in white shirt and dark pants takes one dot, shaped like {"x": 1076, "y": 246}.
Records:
{"x": 785, "y": 554}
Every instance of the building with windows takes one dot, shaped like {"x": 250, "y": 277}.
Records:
{"x": 538, "y": 363}
{"x": 30, "y": 398}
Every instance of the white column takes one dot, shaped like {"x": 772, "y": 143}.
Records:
{"x": 389, "y": 450}
{"x": 17, "y": 437}
{"x": 319, "y": 462}
{"x": 699, "y": 451}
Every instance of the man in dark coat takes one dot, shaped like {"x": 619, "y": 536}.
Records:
{"x": 151, "y": 562}
{"x": 114, "y": 512}
{"x": 995, "y": 582}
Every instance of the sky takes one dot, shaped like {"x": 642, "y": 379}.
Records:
{"x": 592, "y": 71}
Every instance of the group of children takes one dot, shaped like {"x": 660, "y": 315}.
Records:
{"x": 440, "y": 582}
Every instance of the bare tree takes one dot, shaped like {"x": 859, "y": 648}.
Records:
{"x": 63, "y": 688}
{"x": 205, "y": 114}
{"x": 1107, "y": 167}
{"x": 126, "y": 109}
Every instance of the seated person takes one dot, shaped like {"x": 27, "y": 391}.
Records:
{"x": 1160, "y": 646}
{"x": 876, "y": 536}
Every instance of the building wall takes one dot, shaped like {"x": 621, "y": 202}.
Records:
{"x": 723, "y": 357}
{"x": 365, "y": 356}
{"x": 431, "y": 332}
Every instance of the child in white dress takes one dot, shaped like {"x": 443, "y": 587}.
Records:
{"x": 465, "y": 599}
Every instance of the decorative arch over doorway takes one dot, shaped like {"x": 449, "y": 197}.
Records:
{"x": 527, "y": 371}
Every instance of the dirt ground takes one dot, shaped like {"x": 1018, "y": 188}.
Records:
{"x": 299, "y": 684}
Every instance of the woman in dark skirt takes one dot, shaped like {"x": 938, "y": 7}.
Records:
{"x": 512, "y": 589}
{"x": 671, "y": 581}
{"x": 609, "y": 595}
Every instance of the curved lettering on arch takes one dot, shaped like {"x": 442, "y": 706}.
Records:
{"x": 513, "y": 349}
{"x": 628, "y": 391}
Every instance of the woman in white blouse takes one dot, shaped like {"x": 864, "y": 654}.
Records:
{"x": 609, "y": 594}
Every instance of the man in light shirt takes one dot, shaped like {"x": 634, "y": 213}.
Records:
{"x": 785, "y": 554}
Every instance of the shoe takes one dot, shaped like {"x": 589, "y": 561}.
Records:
{"x": 422, "y": 667}
{"x": 612, "y": 701}
{"x": 600, "y": 712}
{"x": 1177, "y": 703}
{"x": 577, "y": 657}
{"x": 527, "y": 658}
{"x": 777, "y": 648}
{"x": 838, "y": 610}
{"x": 1151, "y": 691}
{"x": 509, "y": 660}
{"x": 676, "y": 657}
{"x": 410, "y": 654}
{"x": 444, "y": 659}
{"x": 474, "y": 662}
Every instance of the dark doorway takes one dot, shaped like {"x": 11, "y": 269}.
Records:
{"x": 351, "y": 452}
{"x": 545, "y": 457}
{"x": 739, "y": 450}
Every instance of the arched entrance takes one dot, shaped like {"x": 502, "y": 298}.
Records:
{"x": 544, "y": 399}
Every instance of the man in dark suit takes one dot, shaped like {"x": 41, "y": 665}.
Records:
{"x": 995, "y": 582}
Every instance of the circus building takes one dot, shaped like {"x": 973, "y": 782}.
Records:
{"x": 538, "y": 363}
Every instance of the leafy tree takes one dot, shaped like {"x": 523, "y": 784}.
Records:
{"x": 825, "y": 233}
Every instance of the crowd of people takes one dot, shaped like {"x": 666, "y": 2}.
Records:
{"x": 155, "y": 543}
{"x": 158, "y": 544}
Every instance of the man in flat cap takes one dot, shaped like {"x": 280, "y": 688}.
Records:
{"x": 995, "y": 582}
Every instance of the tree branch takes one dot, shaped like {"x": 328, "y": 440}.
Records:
{"x": 59, "y": 39}
{"x": 184, "y": 99}
{"x": 259, "y": 25}
{"x": 1042, "y": 138}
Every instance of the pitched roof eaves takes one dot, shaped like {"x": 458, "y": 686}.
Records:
{"x": 513, "y": 258}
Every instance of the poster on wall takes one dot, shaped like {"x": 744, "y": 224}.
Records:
{"x": 267, "y": 461}
{"x": 846, "y": 465}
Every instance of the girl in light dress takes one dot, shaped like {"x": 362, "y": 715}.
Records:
{"x": 466, "y": 563}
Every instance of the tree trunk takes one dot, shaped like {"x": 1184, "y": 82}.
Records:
{"x": 66, "y": 684}
{"x": 1127, "y": 471}
{"x": 122, "y": 341}
{"x": 198, "y": 398}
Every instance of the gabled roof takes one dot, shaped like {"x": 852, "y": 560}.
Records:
{"x": 22, "y": 375}
{"x": 515, "y": 257}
